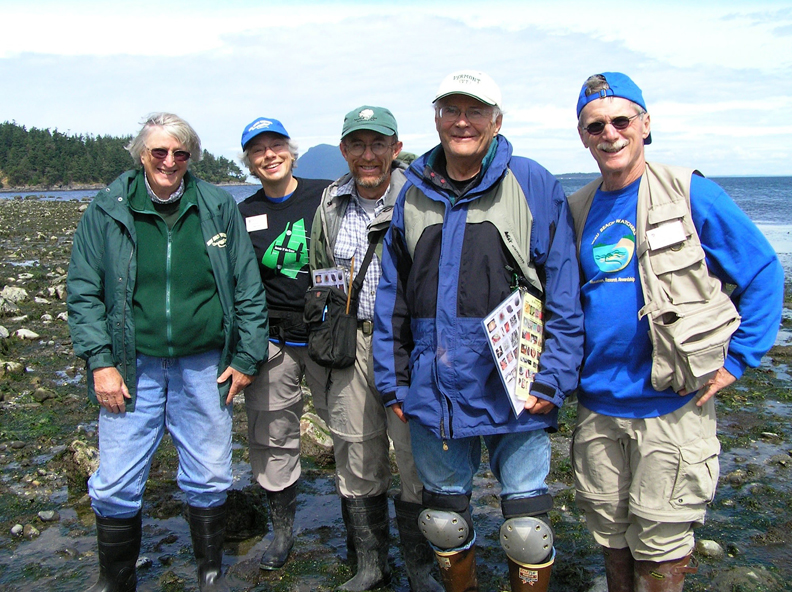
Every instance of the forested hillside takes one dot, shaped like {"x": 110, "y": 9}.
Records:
{"x": 44, "y": 158}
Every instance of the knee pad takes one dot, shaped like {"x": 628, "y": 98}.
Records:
{"x": 527, "y": 539}
{"x": 444, "y": 529}
{"x": 446, "y": 521}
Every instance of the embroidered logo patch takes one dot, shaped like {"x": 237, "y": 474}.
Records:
{"x": 260, "y": 124}
{"x": 366, "y": 114}
{"x": 528, "y": 576}
{"x": 218, "y": 240}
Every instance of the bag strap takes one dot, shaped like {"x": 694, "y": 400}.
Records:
{"x": 361, "y": 274}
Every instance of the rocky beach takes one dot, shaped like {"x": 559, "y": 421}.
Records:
{"x": 48, "y": 447}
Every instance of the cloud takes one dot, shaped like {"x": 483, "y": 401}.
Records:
{"x": 708, "y": 72}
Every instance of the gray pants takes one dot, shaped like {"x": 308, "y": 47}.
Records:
{"x": 360, "y": 426}
{"x": 274, "y": 405}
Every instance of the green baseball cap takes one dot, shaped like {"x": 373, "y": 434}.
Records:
{"x": 376, "y": 119}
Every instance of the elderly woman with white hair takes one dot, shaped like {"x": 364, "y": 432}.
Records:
{"x": 167, "y": 308}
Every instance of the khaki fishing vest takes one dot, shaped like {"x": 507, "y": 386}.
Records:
{"x": 691, "y": 319}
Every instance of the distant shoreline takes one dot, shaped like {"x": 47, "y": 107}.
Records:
{"x": 87, "y": 187}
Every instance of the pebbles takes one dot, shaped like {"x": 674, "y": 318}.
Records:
{"x": 49, "y": 516}
{"x": 710, "y": 549}
{"x": 26, "y": 334}
{"x": 13, "y": 294}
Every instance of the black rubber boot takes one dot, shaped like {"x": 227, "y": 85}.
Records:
{"x": 119, "y": 546}
{"x": 350, "y": 540}
{"x": 283, "y": 507}
{"x": 369, "y": 526}
{"x": 416, "y": 551}
{"x": 207, "y": 529}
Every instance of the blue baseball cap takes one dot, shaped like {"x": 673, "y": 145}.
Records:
{"x": 261, "y": 125}
{"x": 620, "y": 86}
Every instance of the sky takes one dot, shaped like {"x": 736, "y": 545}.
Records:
{"x": 716, "y": 74}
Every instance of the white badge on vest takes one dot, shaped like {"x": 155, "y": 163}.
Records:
{"x": 668, "y": 233}
{"x": 255, "y": 223}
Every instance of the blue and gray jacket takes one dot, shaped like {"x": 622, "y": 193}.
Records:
{"x": 448, "y": 261}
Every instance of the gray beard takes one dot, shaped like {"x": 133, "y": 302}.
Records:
{"x": 369, "y": 184}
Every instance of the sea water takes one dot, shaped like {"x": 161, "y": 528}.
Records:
{"x": 766, "y": 200}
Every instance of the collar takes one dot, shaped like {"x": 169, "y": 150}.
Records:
{"x": 175, "y": 196}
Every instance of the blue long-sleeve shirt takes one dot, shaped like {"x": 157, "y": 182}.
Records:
{"x": 616, "y": 375}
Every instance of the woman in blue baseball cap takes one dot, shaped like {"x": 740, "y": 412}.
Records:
{"x": 278, "y": 219}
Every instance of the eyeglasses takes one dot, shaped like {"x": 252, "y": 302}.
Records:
{"x": 162, "y": 154}
{"x": 620, "y": 123}
{"x": 277, "y": 146}
{"x": 474, "y": 115}
{"x": 378, "y": 147}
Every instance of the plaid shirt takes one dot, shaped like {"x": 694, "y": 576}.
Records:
{"x": 352, "y": 241}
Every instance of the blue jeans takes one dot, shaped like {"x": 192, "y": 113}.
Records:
{"x": 179, "y": 394}
{"x": 520, "y": 462}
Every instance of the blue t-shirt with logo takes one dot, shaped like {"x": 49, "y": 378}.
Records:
{"x": 617, "y": 361}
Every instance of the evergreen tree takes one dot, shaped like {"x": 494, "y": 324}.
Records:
{"x": 40, "y": 157}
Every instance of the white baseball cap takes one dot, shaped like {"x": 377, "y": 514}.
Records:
{"x": 471, "y": 83}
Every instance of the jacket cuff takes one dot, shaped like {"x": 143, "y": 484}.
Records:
{"x": 244, "y": 364}
{"x": 396, "y": 396}
{"x": 100, "y": 360}
{"x": 547, "y": 392}
{"x": 389, "y": 399}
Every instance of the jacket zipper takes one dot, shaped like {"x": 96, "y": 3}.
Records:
{"x": 168, "y": 324}
{"x": 443, "y": 436}
{"x": 124, "y": 310}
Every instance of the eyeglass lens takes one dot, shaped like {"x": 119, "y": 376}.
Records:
{"x": 276, "y": 147}
{"x": 620, "y": 123}
{"x": 472, "y": 114}
{"x": 162, "y": 154}
{"x": 358, "y": 148}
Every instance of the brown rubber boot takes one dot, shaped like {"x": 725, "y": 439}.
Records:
{"x": 458, "y": 570}
{"x": 619, "y": 568}
{"x": 666, "y": 576}
{"x": 536, "y": 578}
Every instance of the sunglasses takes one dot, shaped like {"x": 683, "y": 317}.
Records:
{"x": 620, "y": 123}
{"x": 162, "y": 154}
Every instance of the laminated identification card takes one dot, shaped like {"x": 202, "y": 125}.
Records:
{"x": 666, "y": 234}
{"x": 337, "y": 277}
{"x": 255, "y": 223}
{"x": 515, "y": 333}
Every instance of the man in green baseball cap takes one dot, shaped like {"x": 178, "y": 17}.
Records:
{"x": 355, "y": 211}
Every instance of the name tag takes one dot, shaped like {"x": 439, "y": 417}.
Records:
{"x": 255, "y": 223}
{"x": 668, "y": 233}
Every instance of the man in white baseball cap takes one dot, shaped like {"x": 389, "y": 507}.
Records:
{"x": 471, "y": 224}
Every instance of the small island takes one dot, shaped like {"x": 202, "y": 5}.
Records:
{"x": 39, "y": 159}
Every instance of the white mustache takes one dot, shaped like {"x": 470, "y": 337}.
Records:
{"x": 612, "y": 146}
